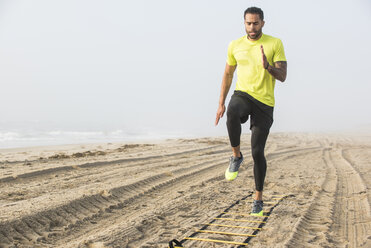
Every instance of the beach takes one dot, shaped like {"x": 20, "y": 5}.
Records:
{"x": 145, "y": 194}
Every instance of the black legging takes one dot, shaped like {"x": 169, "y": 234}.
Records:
{"x": 239, "y": 110}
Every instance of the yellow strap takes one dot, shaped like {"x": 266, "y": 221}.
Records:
{"x": 241, "y": 214}
{"x": 218, "y": 241}
{"x": 226, "y": 233}
{"x": 270, "y": 202}
{"x": 252, "y": 221}
{"x": 266, "y": 202}
{"x": 243, "y": 227}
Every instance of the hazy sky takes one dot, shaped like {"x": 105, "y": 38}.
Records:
{"x": 137, "y": 64}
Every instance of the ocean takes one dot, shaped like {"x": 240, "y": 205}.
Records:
{"x": 21, "y": 135}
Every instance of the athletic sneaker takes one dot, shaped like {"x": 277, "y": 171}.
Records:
{"x": 234, "y": 164}
{"x": 257, "y": 208}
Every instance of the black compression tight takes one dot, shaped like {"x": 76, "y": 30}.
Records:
{"x": 238, "y": 113}
{"x": 258, "y": 138}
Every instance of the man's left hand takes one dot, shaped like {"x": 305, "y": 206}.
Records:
{"x": 278, "y": 70}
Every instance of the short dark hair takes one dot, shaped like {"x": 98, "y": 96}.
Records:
{"x": 254, "y": 10}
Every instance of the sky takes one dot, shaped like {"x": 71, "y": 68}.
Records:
{"x": 158, "y": 65}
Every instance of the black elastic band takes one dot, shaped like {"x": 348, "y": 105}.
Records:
{"x": 177, "y": 243}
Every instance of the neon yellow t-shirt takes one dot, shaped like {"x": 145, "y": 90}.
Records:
{"x": 252, "y": 78}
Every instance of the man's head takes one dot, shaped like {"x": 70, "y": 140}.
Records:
{"x": 254, "y": 22}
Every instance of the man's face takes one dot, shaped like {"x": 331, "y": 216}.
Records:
{"x": 253, "y": 26}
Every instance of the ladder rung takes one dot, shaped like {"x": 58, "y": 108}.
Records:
{"x": 252, "y": 221}
{"x": 218, "y": 241}
{"x": 243, "y": 227}
{"x": 241, "y": 214}
{"x": 267, "y": 202}
{"x": 226, "y": 233}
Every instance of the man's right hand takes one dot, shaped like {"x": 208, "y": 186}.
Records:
{"x": 219, "y": 113}
{"x": 226, "y": 84}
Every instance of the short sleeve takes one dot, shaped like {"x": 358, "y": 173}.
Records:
{"x": 231, "y": 60}
{"x": 279, "y": 53}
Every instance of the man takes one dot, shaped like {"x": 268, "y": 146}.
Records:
{"x": 260, "y": 60}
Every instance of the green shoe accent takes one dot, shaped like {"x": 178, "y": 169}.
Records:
{"x": 232, "y": 170}
{"x": 257, "y": 214}
{"x": 230, "y": 176}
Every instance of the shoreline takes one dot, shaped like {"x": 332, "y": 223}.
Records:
{"x": 359, "y": 135}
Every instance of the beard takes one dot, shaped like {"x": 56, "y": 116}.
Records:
{"x": 257, "y": 34}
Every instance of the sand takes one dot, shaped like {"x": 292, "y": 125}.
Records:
{"x": 144, "y": 195}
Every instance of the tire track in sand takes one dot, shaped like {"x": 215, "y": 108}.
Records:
{"x": 88, "y": 182}
{"x": 352, "y": 215}
{"x": 86, "y": 209}
{"x": 363, "y": 174}
{"x": 140, "y": 234}
{"x": 58, "y": 169}
{"x": 316, "y": 221}
{"x": 339, "y": 213}
{"x": 46, "y": 226}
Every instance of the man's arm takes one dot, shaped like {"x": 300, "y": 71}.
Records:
{"x": 226, "y": 84}
{"x": 278, "y": 71}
